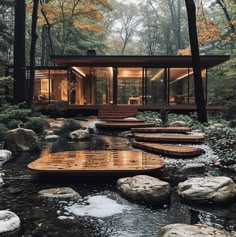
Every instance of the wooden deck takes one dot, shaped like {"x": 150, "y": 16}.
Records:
{"x": 122, "y": 125}
{"x": 162, "y": 130}
{"x": 122, "y": 121}
{"x": 96, "y": 161}
{"x": 168, "y": 138}
{"x": 169, "y": 150}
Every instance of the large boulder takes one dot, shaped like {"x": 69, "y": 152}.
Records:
{"x": 1, "y": 182}
{"x": 178, "y": 124}
{"x": 9, "y": 223}
{"x": 208, "y": 189}
{"x": 79, "y": 134}
{"x": 145, "y": 188}
{"x": 21, "y": 139}
{"x": 184, "y": 230}
{"x": 59, "y": 193}
{"x": 5, "y": 155}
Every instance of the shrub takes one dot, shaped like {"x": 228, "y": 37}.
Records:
{"x": 3, "y": 130}
{"x": 36, "y": 124}
{"x": 57, "y": 109}
{"x": 223, "y": 142}
{"x": 14, "y": 123}
{"x": 69, "y": 126}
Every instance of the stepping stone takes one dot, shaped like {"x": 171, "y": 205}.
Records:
{"x": 162, "y": 130}
{"x": 122, "y": 125}
{"x": 169, "y": 138}
{"x": 169, "y": 150}
{"x": 98, "y": 162}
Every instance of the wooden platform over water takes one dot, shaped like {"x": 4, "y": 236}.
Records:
{"x": 97, "y": 161}
{"x": 168, "y": 138}
{"x": 162, "y": 130}
{"x": 169, "y": 150}
{"x": 122, "y": 125}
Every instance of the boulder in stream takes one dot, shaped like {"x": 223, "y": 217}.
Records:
{"x": 185, "y": 230}
{"x": 79, "y": 134}
{"x": 5, "y": 155}
{"x": 21, "y": 139}
{"x": 208, "y": 189}
{"x": 9, "y": 223}
{"x": 145, "y": 188}
{"x": 59, "y": 193}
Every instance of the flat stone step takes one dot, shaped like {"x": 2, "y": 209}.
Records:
{"x": 169, "y": 150}
{"x": 168, "y": 138}
{"x": 97, "y": 161}
{"x": 122, "y": 125}
{"x": 162, "y": 130}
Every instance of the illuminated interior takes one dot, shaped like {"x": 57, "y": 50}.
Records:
{"x": 134, "y": 86}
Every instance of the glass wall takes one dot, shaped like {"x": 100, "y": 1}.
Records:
{"x": 155, "y": 89}
{"x": 50, "y": 85}
{"x": 129, "y": 86}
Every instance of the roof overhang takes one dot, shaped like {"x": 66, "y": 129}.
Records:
{"x": 137, "y": 61}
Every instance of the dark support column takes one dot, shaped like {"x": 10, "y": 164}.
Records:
{"x": 49, "y": 85}
{"x": 206, "y": 92}
{"x": 19, "y": 53}
{"x": 165, "y": 87}
{"x": 168, "y": 82}
{"x": 188, "y": 84}
{"x": 199, "y": 93}
{"x": 115, "y": 74}
{"x": 143, "y": 86}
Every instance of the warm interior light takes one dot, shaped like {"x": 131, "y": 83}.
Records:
{"x": 157, "y": 75}
{"x": 79, "y": 71}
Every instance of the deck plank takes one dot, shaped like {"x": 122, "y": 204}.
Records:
{"x": 162, "y": 130}
{"x": 97, "y": 161}
{"x": 168, "y": 138}
{"x": 122, "y": 125}
{"x": 169, "y": 150}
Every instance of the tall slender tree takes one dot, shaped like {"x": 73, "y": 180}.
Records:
{"x": 32, "y": 51}
{"x": 199, "y": 94}
{"x": 19, "y": 53}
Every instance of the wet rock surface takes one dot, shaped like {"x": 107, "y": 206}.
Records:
{"x": 144, "y": 188}
{"x": 184, "y": 230}
{"x": 9, "y": 223}
{"x": 59, "y": 193}
{"x": 208, "y": 189}
{"x": 5, "y": 155}
{"x": 21, "y": 139}
{"x": 79, "y": 134}
{"x": 52, "y": 137}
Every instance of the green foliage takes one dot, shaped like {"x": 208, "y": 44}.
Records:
{"x": 57, "y": 109}
{"x": 223, "y": 142}
{"x": 13, "y": 112}
{"x": 3, "y": 130}
{"x": 69, "y": 126}
{"x": 14, "y": 123}
{"x": 36, "y": 124}
{"x": 232, "y": 123}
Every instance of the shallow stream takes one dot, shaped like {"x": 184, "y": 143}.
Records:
{"x": 102, "y": 211}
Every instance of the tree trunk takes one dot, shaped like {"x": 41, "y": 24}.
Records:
{"x": 199, "y": 94}
{"x": 19, "y": 53}
{"x": 32, "y": 51}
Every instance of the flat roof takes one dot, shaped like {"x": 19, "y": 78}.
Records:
{"x": 137, "y": 61}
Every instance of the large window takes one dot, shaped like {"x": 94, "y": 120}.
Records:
{"x": 155, "y": 88}
{"x": 50, "y": 85}
{"x": 129, "y": 86}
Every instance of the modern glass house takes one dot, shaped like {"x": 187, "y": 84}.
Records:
{"x": 143, "y": 81}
